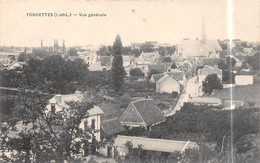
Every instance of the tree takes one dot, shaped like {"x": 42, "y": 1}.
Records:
{"x": 22, "y": 57}
{"x": 211, "y": 82}
{"x": 103, "y": 51}
{"x": 118, "y": 71}
{"x": 136, "y": 72}
{"x": 48, "y": 135}
{"x": 72, "y": 52}
{"x": 254, "y": 61}
{"x": 167, "y": 59}
{"x": 152, "y": 72}
{"x": 230, "y": 62}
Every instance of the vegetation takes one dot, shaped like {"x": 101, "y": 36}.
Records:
{"x": 136, "y": 72}
{"x": 167, "y": 59}
{"x": 211, "y": 82}
{"x": 118, "y": 71}
{"x": 204, "y": 124}
{"x": 152, "y": 72}
{"x": 46, "y": 135}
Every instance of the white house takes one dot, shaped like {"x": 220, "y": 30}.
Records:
{"x": 207, "y": 70}
{"x": 167, "y": 84}
{"x": 148, "y": 58}
{"x": 150, "y": 144}
{"x": 244, "y": 79}
{"x": 95, "y": 67}
{"x": 15, "y": 65}
{"x": 58, "y": 102}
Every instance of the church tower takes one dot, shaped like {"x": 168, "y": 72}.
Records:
{"x": 41, "y": 43}
{"x": 203, "y": 39}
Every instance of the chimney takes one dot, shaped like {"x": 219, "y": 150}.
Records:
{"x": 58, "y": 98}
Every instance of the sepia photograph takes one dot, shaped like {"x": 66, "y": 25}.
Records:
{"x": 155, "y": 81}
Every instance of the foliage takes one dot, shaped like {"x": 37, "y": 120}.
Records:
{"x": 211, "y": 82}
{"x": 230, "y": 61}
{"x": 72, "y": 52}
{"x": 52, "y": 74}
{"x": 97, "y": 78}
{"x": 152, "y": 72}
{"x": 167, "y": 59}
{"x": 254, "y": 61}
{"x": 136, "y": 72}
{"x": 48, "y": 135}
{"x": 22, "y": 57}
{"x": 118, "y": 71}
{"x": 5, "y": 108}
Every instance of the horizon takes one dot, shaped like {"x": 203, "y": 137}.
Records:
{"x": 164, "y": 22}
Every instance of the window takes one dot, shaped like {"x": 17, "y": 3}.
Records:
{"x": 93, "y": 124}
{"x": 53, "y": 109}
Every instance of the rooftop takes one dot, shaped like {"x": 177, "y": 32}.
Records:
{"x": 160, "y": 145}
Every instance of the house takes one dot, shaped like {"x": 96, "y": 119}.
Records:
{"x": 148, "y": 58}
{"x": 5, "y": 60}
{"x": 155, "y": 77}
{"x": 206, "y": 101}
{"x": 222, "y": 53}
{"x": 143, "y": 112}
{"x": 58, "y": 102}
{"x": 244, "y": 79}
{"x": 95, "y": 67}
{"x": 234, "y": 103}
{"x": 150, "y": 144}
{"x": 177, "y": 75}
{"x": 212, "y": 61}
{"x": 238, "y": 62}
{"x": 167, "y": 84}
{"x": 15, "y": 65}
{"x": 158, "y": 67}
{"x": 129, "y": 67}
{"x": 111, "y": 127}
{"x": 204, "y": 72}
{"x": 197, "y": 48}
{"x": 248, "y": 51}
{"x": 127, "y": 60}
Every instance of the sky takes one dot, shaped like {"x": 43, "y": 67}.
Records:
{"x": 134, "y": 21}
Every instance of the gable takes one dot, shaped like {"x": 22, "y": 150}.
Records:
{"x": 149, "y": 111}
{"x": 131, "y": 116}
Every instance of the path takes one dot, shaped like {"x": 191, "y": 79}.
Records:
{"x": 190, "y": 88}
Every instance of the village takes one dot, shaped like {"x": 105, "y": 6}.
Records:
{"x": 161, "y": 85}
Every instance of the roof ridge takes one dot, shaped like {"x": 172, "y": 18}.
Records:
{"x": 107, "y": 120}
{"x": 165, "y": 140}
{"x": 139, "y": 113}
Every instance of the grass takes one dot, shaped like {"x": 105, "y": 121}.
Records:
{"x": 243, "y": 93}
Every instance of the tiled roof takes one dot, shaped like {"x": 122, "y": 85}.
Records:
{"x": 158, "y": 67}
{"x": 142, "y": 112}
{"x": 206, "y": 100}
{"x": 61, "y": 101}
{"x": 160, "y": 145}
{"x": 176, "y": 74}
{"x": 156, "y": 77}
{"x": 112, "y": 126}
{"x": 212, "y": 61}
{"x": 209, "y": 70}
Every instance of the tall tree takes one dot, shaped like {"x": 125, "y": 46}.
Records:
{"x": 118, "y": 71}
{"x": 22, "y": 57}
